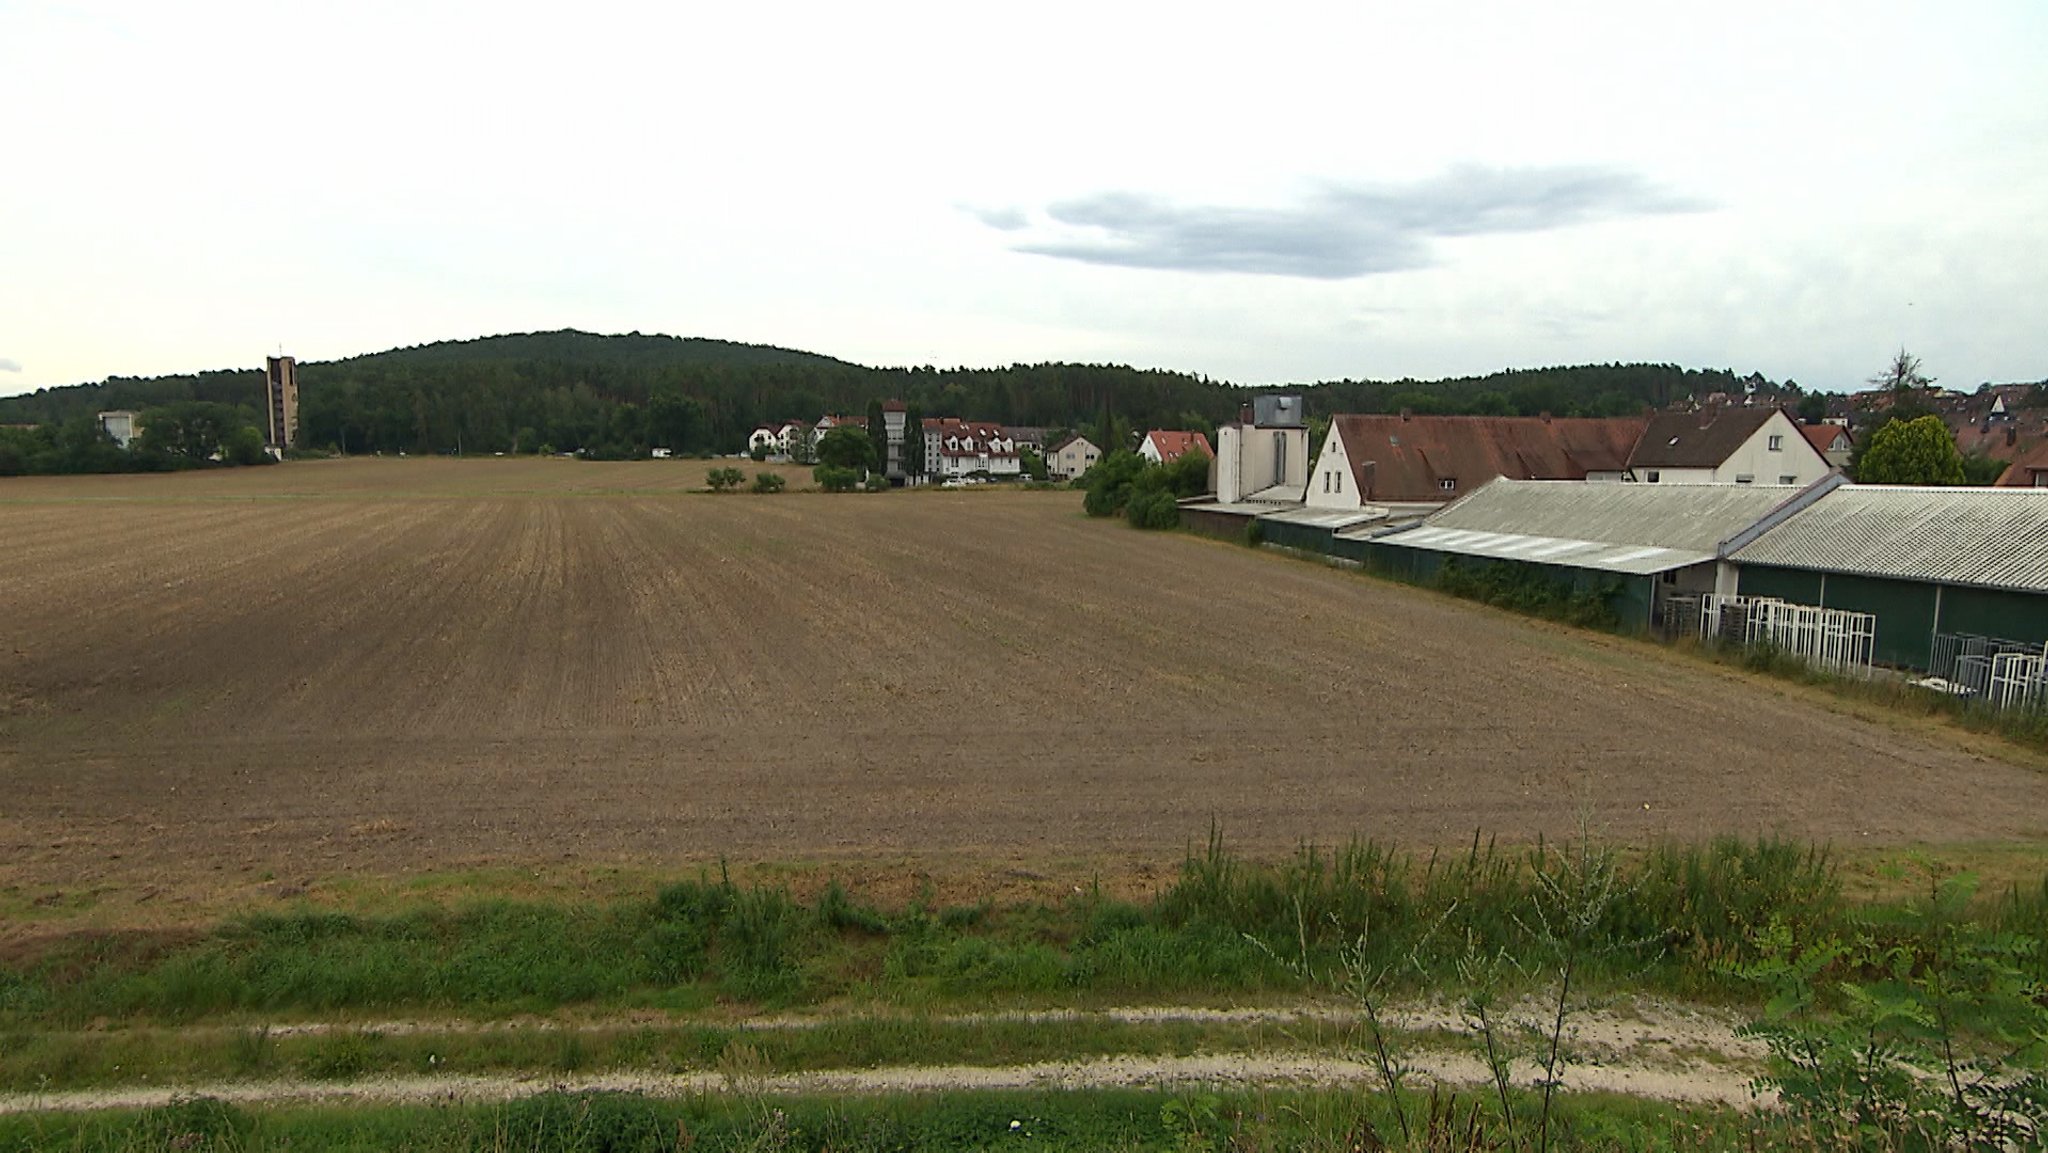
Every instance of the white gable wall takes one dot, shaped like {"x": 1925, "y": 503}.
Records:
{"x": 1331, "y": 485}
{"x": 1794, "y": 461}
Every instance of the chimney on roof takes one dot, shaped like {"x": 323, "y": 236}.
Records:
{"x": 2012, "y": 436}
{"x": 1406, "y": 413}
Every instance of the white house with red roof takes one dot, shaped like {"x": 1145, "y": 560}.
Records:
{"x": 1164, "y": 446}
{"x": 955, "y": 447}
{"x": 778, "y": 439}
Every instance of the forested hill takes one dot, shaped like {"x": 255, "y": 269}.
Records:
{"x": 615, "y": 394}
{"x": 1581, "y": 390}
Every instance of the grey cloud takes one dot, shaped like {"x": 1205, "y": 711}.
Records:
{"x": 9, "y": 365}
{"x": 1344, "y": 231}
{"x": 1001, "y": 219}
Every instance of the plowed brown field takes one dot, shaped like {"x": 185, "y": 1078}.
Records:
{"x": 389, "y": 666}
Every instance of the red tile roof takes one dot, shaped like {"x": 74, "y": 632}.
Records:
{"x": 1172, "y": 444}
{"x": 1408, "y": 458}
{"x": 971, "y": 437}
{"x": 1823, "y": 436}
{"x": 2022, "y": 472}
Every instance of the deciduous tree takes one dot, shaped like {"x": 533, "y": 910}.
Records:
{"x": 1919, "y": 451}
{"x": 847, "y": 447}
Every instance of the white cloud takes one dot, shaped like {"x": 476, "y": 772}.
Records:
{"x": 1426, "y": 189}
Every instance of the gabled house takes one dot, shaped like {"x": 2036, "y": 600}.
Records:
{"x": 1405, "y": 459}
{"x": 1164, "y": 446}
{"x": 1721, "y": 445}
{"x": 1071, "y": 457}
{"x": 778, "y": 439}
{"x": 955, "y": 447}
{"x": 1832, "y": 442}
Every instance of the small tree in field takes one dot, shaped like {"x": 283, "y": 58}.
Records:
{"x": 766, "y": 482}
{"x": 725, "y": 479}
{"x": 846, "y": 447}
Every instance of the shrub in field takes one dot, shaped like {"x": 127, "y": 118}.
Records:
{"x": 724, "y": 479}
{"x": 1153, "y": 510}
{"x": 834, "y": 478}
{"x": 1110, "y": 482}
{"x": 766, "y": 482}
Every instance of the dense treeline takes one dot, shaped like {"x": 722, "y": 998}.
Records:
{"x": 620, "y": 395}
{"x": 1584, "y": 390}
{"x": 179, "y": 435}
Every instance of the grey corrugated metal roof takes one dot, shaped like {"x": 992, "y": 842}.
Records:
{"x": 1330, "y": 518}
{"x": 1991, "y": 537}
{"x": 1686, "y": 517}
{"x": 1640, "y": 560}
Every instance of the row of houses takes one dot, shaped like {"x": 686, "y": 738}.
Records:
{"x": 1405, "y": 459}
{"x": 954, "y": 447}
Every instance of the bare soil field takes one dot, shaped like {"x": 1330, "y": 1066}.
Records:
{"x": 387, "y": 667}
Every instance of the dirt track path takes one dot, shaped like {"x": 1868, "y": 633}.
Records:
{"x": 1656, "y": 1051}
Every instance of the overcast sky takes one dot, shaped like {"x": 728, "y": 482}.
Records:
{"x": 1262, "y": 192}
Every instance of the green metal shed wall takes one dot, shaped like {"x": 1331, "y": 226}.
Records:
{"x": 1307, "y": 538}
{"x": 1906, "y": 610}
{"x": 1995, "y": 613}
{"x": 1787, "y": 584}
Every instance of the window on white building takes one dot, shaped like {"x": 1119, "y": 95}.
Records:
{"x": 1745, "y": 478}
{"x": 1340, "y": 481}
{"x": 1655, "y": 476}
{"x": 1788, "y": 480}
{"x": 1777, "y": 444}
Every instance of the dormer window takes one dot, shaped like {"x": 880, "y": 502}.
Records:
{"x": 1448, "y": 484}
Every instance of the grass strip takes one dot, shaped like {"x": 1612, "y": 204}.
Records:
{"x": 1194, "y": 1119}
{"x": 1679, "y": 919}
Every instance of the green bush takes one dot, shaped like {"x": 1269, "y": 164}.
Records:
{"x": 1110, "y": 482}
{"x": 725, "y": 479}
{"x": 1153, "y": 510}
{"x": 1528, "y": 589}
{"x": 766, "y": 482}
{"x": 834, "y": 478}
